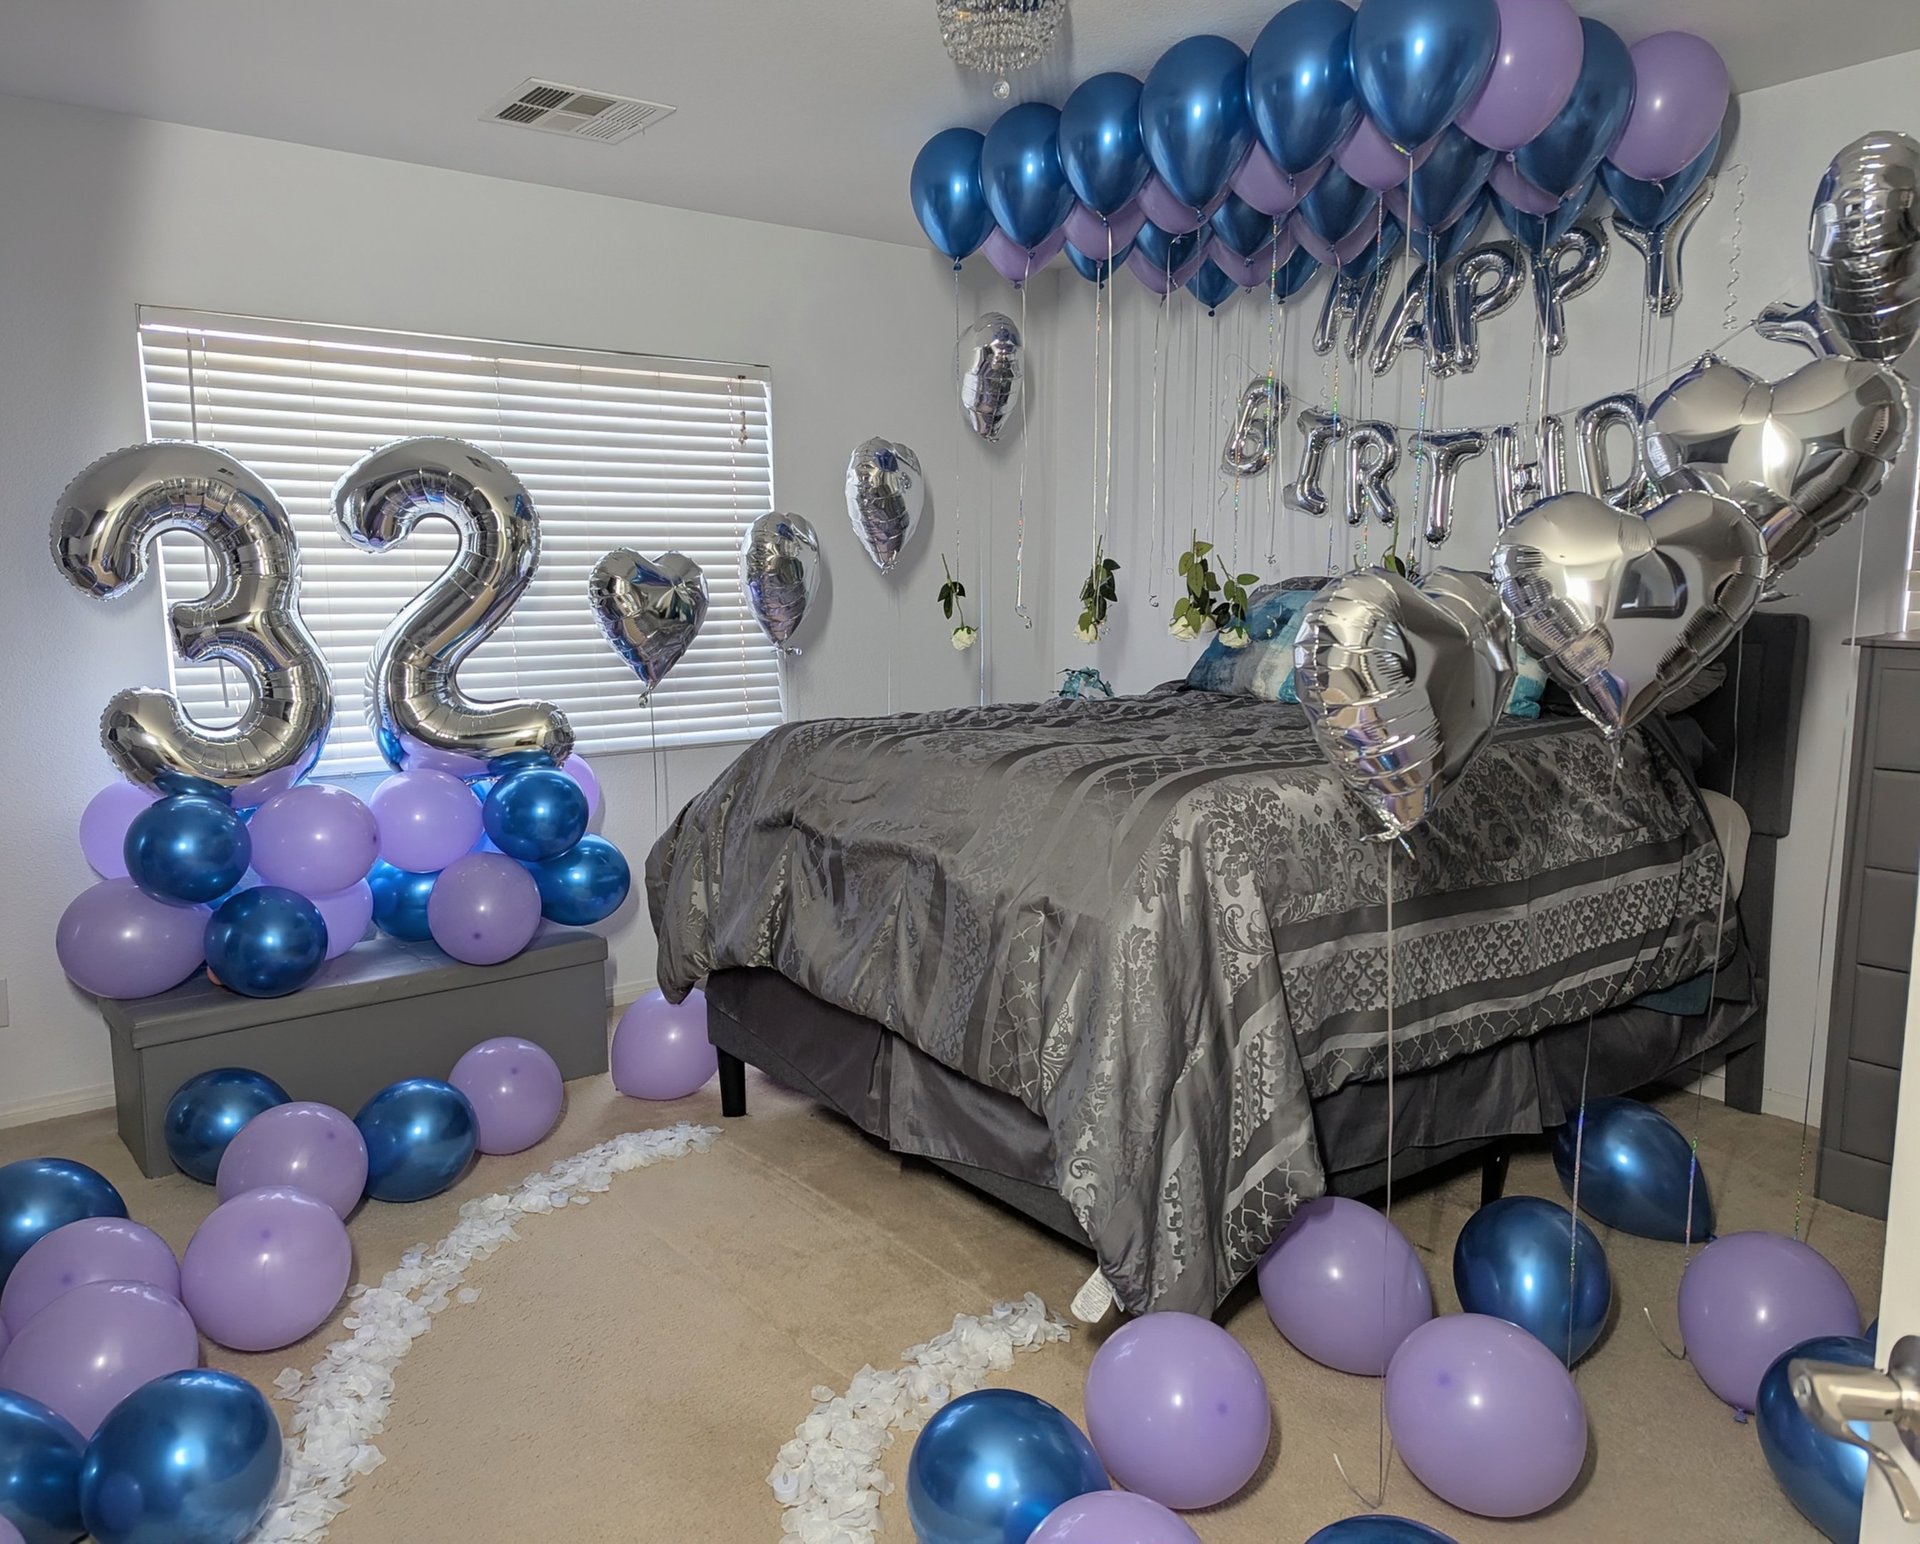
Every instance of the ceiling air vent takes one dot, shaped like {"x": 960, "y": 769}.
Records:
{"x": 556, "y": 109}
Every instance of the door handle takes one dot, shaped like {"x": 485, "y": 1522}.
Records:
{"x": 1834, "y": 1396}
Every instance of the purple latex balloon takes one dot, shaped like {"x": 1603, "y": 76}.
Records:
{"x": 115, "y": 940}
{"x": 1112, "y": 1517}
{"x": 1746, "y": 1298}
{"x": 1177, "y": 1410}
{"x": 104, "y": 822}
{"x": 1251, "y": 272}
{"x": 92, "y": 1249}
{"x": 1015, "y": 263}
{"x": 515, "y": 1089}
{"x": 1159, "y": 205}
{"x": 1373, "y": 161}
{"x": 1505, "y": 179}
{"x": 1345, "y": 250}
{"x": 1485, "y": 1416}
{"x": 312, "y": 1148}
{"x": 89, "y": 1348}
{"x": 1151, "y": 276}
{"x": 1680, "y": 95}
{"x": 661, "y": 1050}
{"x": 315, "y": 838}
{"x": 1262, "y": 182}
{"x": 1090, "y": 234}
{"x": 575, "y": 766}
{"x": 427, "y": 818}
{"x": 266, "y": 1269}
{"x": 484, "y": 909}
{"x": 1344, "y": 1286}
{"x": 346, "y": 915}
{"x": 1534, "y": 70}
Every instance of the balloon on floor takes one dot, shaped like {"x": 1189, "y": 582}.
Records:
{"x": 90, "y": 1348}
{"x": 312, "y": 1148}
{"x": 1637, "y": 1171}
{"x": 1344, "y": 1285}
{"x": 1526, "y": 1260}
{"x": 38, "y": 1195}
{"x": 266, "y": 1269}
{"x": 661, "y": 1050}
{"x": 1377, "y": 1528}
{"x": 515, "y": 1089}
{"x": 40, "y": 1455}
{"x": 992, "y": 1465}
{"x": 207, "y": 1112}
{"x": 92, "y": 1249}
{"x": 1822, "y": 1476}
{"x": 1747, "y": 1298}
{"x": 1112, "y": 1517}
{"x": 420, "y": 1136}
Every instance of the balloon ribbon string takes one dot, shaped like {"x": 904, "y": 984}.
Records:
{"x": 1026, "y": 440}
{"x": 1156, "y": 430}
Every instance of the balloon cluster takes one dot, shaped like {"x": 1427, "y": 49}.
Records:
{"x": 1340, "y": 130}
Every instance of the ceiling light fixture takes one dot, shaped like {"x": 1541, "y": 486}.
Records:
{"x": 998, "y": 37}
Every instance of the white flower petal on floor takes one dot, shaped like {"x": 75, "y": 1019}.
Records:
{"x": 829, "y": 1477}
{"x": 342, "y": 1404}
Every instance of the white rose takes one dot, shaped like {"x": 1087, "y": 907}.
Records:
{"x": 1086, "y": 632}
{"x": 964, "y": 636}
{"x": 1184, "y": 630}
{"x": 1234, "y": 638}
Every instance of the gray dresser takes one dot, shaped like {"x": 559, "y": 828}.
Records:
{"x": 1875, "y": 939}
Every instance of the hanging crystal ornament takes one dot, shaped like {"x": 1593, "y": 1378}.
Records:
{"x": 998, "y": 37}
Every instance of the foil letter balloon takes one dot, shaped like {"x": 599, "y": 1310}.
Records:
{"x": 1622, "y": 610}
{"x": 249, "y": 619}
{"x": 1801, "y": 455}
{"x": 1801, "y": 325}
{"x": 649, "y": 609}
{"x": 779, "y": 573}
{"x": 1403, "y": 683}
{"x": 1486, "y": 280}
{"x": 1622, "y": 410}
{"x": 1319, "y": 432}
{"x": 418, "y": 714}
{"x": 1568, "y": 268}
{"x": 987, "y": 365}
{"x": 1373, "y": 452}
{"x": 1660, "y": 248}
{"x": 886, "y": 491}
{"x": 1445, "y": 452}
{"x": 1519, "y": 484}
{"x": 1864, "y": 242}
{"x": 1250, "y": 443}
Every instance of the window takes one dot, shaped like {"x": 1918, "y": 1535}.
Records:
{"x": 616, "y": 450}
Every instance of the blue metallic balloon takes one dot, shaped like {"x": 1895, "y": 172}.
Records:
{"x": 420, "y": 1136}
{"x": 1295, "y": 274}
{"x": 1096, "y": 270}
{"x": 1194, "y": 117}
{"x": 1243, "y": 229}
{"x": 207, "y": 1112}
{"x": 1101, "y": 150}
{"x": 1516, "y": 1259}
{"x": 1563, "y": 155}
{"x": 990, "y": 1466}
{"x": 1636, "y": 1167}
{"x": 1378, "y": 1528}
{"x": 1211, "y": 287}
{"x": 1443, "y": 246}
{"x": 1168, "y": 253}
{"x": 948, "y": 199}
{"x": 187, "y": 783}
{"x": 1448, "y": 181}
{"x": 400, "y": 902}
{"x": 39, "y": 1471}
{"x": 1418, "y": 62}
{"x": 1300, "y": 83}
{"x": 585, "y": 884}
{"x": 1377, "y": 253}
{"x": 187, "y": 848}
{"x": 1020, "y": 169}
{"x": 38, "y": 1195}
{"x": 1537, "y": 232}
{"x": 1823, "y": 1476}
{"x": 1336, "y": 206}
{"x": 191, "y": 1456}
{"x": 536, "y": 814}
{"x": 266, "y": 942}
{"x": 1652, "y": 205}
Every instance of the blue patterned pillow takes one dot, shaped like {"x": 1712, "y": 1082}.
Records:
{"x": 1264, "y": 666}
{"x": 1529, "y": 685}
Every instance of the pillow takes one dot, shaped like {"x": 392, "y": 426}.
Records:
{"x": 1263, "y": 666}
{"x": 1529, "y": 685}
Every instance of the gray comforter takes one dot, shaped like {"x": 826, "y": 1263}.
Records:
{"x": 1158, "y": 922}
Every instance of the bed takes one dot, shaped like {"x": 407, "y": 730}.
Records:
{"x": 1123, "y": 964}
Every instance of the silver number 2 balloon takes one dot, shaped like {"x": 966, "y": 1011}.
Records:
{"x": 250, "y": 619}
{"x": 415, "y": 707}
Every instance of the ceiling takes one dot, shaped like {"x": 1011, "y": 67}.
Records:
{"x": 802, "y": 112}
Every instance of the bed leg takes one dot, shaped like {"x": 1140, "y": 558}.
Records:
{"x": 733, "y": 1083}
{"x": 1493, "y": 1172}
{"x": 1746, "y": 1071}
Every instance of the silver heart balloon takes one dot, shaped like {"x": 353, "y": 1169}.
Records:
{"x": 1800, "y": 455}
{"x": 1250, "y": 442}
{"x": 886, "y": 492}
{"x": 779, "y": 573}
{"x": 987, "y": 365}
{"x": 1864, "y": 244}
{"x": 649, "y": 609}
{"x": 1403, "y": 683}
{"x": 1622, "y": 610}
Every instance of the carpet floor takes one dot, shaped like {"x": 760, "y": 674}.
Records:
{"x": 631, "y": 1367}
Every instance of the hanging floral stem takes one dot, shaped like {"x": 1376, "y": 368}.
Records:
{"x": 1210, "y": 601}
{"x": 1098, "y": 593}
{"x": 952, "y": 593}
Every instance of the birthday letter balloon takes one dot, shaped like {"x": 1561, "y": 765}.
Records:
{"x": 779, "y": 571}
{"x": 1249, "y": 448}
{"x": 986, "y": 364}
{"x": 649, "y": 610}
{"x": 1864, "y": 242}
{"x": 886, "y": 492}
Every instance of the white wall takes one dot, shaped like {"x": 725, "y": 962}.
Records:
{"x": 105, "y": 213}
{"x": 1749, "y": 249}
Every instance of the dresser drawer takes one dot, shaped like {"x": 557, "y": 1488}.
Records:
{"x": 1879, "y": 1015}
{"x": 1897, "y": 702}
{"x": 1867, "y": 1114}
{"x": 1886, "y": 919}
{"x": 1893, "y": 821}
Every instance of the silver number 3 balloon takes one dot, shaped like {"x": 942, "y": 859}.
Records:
{"x": 249, "y": 619}
{"x": 414, "y": 705}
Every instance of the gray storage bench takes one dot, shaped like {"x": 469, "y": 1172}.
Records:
{"x": 383, "y": 1011}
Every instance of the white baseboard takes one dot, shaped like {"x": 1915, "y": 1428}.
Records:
{"x": 81, "y": 1101}
{"x": 627, "y": 993}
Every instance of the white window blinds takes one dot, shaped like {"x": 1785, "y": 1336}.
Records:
{"x": 616, "y": 450}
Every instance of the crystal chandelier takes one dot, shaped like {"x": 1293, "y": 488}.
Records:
{"x": 999, "y": 36}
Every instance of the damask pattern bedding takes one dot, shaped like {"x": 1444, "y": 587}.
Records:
{"x": 1159, "y": 923}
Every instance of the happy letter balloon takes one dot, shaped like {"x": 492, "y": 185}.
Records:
{"x": 250, "y": 617}
{"x": 1622, "y": 610}
{"x": 987, "y": 366}
{"x": 1403, "y": 683}
{"x": 649, "y": 609}
{"x": 1864, "y": 242}
{"x": 779, "y": 571}
{"x": 886, "y": 491}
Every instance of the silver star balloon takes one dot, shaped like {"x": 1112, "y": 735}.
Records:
{"x": 649, "y": 609}
{"x": 1864, "y": 244}
{"x": 987, "y": 366}
{"x": 780, "y": 573}
{"x": 886, "y": 492}
{"x": 1620, "y": 609}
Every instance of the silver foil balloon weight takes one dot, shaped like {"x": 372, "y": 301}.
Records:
{"x": 886, "y": 493}
{"x": 649, "y": 609}
{"x": 1622, "y": 610}
{"x": 779, "y": 573}
{"x": 415, "y": 707}
{"x": 987, "y": 364}
{"x": 1403, "y": 683}
{"x": 1250, "y": 442}
{"x": 1801, "y": 456}
{"x": 250, "y": 619}
{"x": 1864, "y": 245}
